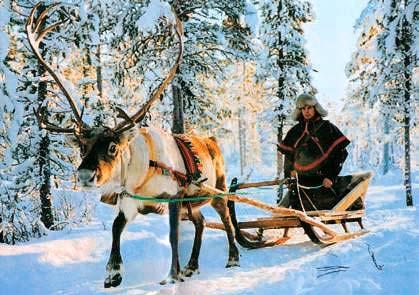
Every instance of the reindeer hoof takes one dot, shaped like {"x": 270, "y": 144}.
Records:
{"x": 113, "y": 281}
{"x": 188, "y": 271}
{"x": 232, "y": 263}
{"x": 172, "y": 280}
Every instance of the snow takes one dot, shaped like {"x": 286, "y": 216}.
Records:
{"x": 251, "y": 18}
{"x": 73, "y": 261}
{"x": 154, "y": 11}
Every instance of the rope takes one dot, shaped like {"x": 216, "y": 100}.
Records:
{"x": 173, "y": 200}
{"x": 309, "y": 187}
{"x": 124, "y": 193}
{"x": 309, "y": 199}
{"x": 306, "y": 195}
{"x": 299, "y": 195}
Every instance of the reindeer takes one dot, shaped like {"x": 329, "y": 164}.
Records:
{"x": 118, "y": 160}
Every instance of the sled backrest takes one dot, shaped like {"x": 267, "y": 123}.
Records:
{"x": 357, "y": 192}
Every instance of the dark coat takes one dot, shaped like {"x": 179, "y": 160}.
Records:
{"x": 316, "y": 149}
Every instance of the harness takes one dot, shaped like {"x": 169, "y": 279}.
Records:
{"x": 302, "y": 189}
{"x": 191, "y": 161}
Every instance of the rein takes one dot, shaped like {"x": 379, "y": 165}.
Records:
{"x": 308, "y": 198}
{"x": 174, "y": 200}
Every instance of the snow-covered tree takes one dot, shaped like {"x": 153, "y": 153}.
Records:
{"x": 239, "y": 128}
{"x": 363, "y": 95}
{"x": 20, "y": 208}
{"x": 399, "y": 42}
{"x": 32, "y": 157}
{"x": 381, "y": 74}
{"x": 284, "y": 62}
{"x": 216, "y": 35}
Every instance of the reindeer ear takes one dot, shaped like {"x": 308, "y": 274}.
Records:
{"x": 128, "y": 135}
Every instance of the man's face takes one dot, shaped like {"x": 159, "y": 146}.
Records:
{"x": 308, "y": 112}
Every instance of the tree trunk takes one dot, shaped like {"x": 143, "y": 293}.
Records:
{"x": 406, "y": 45}
{"x": 44, "y": 158}
{"x": 407, "y": 171}
{"x": 178, "y": 126}
{"x": 99, "y": 79}
{"x": 386, "y": 148}
{"x": 279, "y": 156}
{"x": 242, "y": 141}
{"x": 45, "y": 173}
{"x": 280, "y": 109}
{"x": 1, "y": 231}
{"x": 87, "y": 63}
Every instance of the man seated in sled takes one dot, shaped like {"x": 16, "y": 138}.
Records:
{"x": 315, "y": 151}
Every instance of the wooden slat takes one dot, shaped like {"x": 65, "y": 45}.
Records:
{"x": 341, "y": 237}
{"x": 261, "y": 183}
{"x": 359, "y": 191}
{"x": 327, "y": 213}
{"x": 327, "y": 236}
{"x": 272, "y": 223}
{"x": 265, "y": 224}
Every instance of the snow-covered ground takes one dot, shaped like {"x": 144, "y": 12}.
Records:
{"x": 384, "y": 261}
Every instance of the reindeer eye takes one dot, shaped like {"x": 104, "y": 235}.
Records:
{"x": 112, "y": 149}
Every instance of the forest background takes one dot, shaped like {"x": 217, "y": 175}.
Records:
{"x": 243, "y": 65}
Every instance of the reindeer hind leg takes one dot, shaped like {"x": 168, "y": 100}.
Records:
{"x": 220, "y": 205}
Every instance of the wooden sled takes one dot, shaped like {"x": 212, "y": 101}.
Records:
{"x": 316, "y": 224}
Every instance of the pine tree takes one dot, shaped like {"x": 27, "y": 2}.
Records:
{"x": 386, "y": 73}
{"x": 211, "y": 43}
{"x": 32, "y": 157}
{"x": 20, "y": 207}
{"x": 405, "y": 52}
{"x": 368, "y": 140}
{"x": 285, "y": 62}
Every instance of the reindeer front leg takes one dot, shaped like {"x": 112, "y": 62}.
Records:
{"x": 174, "y": 219}
{"x": 113, "y": 268}
{"x": 199, "y": 223}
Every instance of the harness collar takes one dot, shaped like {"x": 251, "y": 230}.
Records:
{"x": 152, "y": 157}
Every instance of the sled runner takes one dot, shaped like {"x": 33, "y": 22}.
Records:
{"x": 348, "y": 208}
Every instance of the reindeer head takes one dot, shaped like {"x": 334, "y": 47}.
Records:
{"x": 102, "y": 156}
{"x": 99, "y": 147}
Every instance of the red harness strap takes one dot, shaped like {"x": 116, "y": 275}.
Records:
{"x": 190, "y": 158}
{"x": 181, "y": 178}
{"x": 191, "y": 161}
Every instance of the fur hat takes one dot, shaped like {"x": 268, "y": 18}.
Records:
{"x": 307, "y": 100}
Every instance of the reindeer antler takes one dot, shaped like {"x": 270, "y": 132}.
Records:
{"x": 130, "y": 121}
{"x": 36, "y": 33}
{"x": 43, "y": 124}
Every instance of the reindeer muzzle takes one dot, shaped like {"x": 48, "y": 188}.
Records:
{"x": 87, "y": 177}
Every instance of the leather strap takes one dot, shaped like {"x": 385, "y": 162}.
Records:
{"x": 152, "y": 157}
